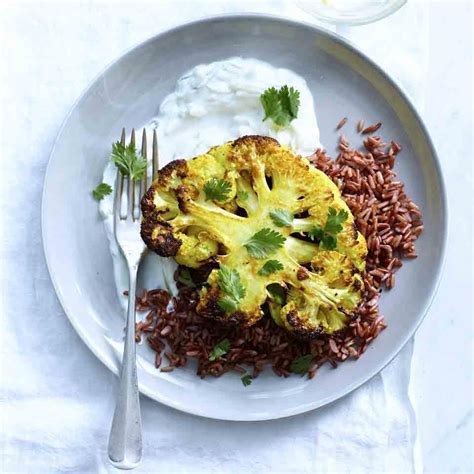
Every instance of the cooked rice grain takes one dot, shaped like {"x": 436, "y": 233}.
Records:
{"x": 341, "y": 124}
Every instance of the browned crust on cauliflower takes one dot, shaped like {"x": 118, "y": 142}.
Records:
{"x": 183, "y": 197}
{"x": 300, "y": 329}
{"x": 147, "y": 205}
{"x": 260, "y": 142}
{"x": 302, "y": 274}
{"x": 158, "y": 236}
{"x": 210, "y": 309}
{"x": 177, "y": 167}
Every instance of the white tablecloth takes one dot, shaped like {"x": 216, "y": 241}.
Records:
{"x": 57, "y": 399}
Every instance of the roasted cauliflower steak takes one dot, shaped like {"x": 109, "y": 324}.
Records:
{"x": 322, "y": 288}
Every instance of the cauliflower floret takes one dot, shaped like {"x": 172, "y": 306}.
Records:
{"x": 314, "y": 307}
{"x": 220, "y": 207}
{"x": 195, "y": 250}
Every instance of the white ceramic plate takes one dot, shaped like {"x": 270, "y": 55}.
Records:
{"x": 344, "y": 83}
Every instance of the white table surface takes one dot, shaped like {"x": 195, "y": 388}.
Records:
{"x": 36, "y": 91}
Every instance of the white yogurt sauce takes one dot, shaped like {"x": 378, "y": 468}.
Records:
{"x": 213, "y": 103}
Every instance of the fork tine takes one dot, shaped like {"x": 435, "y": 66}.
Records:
{"x": 156, "y": 164}
{"x": 144, "y": 184}
{"x": 130, "y": 199}
{"x": 119, "y": 186}
{"x": 120, "y": 177}
{"x": 131, "y": 186}
{"x": 118, "y": 196}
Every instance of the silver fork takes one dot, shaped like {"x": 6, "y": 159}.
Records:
{"x": 125, "y": 440}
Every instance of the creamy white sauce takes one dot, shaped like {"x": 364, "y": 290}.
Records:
{"x": 213, "y": 103}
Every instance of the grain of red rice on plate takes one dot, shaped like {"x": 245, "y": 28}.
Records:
{"x": 384, "y": 214}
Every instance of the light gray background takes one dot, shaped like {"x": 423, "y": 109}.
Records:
{"x": 37, "y": 88}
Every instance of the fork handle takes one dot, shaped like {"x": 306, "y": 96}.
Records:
{"x": 125, "y": 441}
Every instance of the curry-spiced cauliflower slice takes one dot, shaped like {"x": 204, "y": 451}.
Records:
{"x": 269, "y": 220}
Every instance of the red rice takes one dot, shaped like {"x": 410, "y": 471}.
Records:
{"x": 341, "y": 124}
{"x": 372, "y": 128}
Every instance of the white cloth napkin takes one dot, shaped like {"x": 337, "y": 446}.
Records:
{"x": 57, "y": 398}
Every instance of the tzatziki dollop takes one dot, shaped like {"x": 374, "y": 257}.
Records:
{"x": 213, "y": 103}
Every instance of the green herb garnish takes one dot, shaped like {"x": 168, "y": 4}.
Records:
{"x": 280, "y": 105}
{"x": 228, "y": 304}
{"x": 301, "y": 364}
{"x": 264, "y": 243}
{"x": 128, "y": 161}
{"x": 335, "y": 220}
{"x": 327, "y": 235}
{"x": 101, "y": 190}
{"x": 246, "y": 380}
{"x": 233, "y": 291}
{"x": 281, "y": 217}
{"x": 271, "y": 266}
{"x": 217, "y": 189}
{"x": 220, "y": 349}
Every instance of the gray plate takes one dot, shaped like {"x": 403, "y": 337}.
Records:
{"x": 344, "y": 83}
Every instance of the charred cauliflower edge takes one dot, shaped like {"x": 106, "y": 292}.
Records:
{"x": 321, "y": 288}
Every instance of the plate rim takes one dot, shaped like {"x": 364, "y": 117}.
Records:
{"x": 428, "y": 141}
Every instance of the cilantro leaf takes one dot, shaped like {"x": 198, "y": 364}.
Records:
{"x": 101, "y": 190}
{"x": 184, "y": 277}
{"x": 316, "y": 233}
{"x": 271, "y": 266}
{"x": 271, "y": 103}
{"x": 246, "y": 380}
{"x": 281, "y": 217}
{"x": 228, "y": 304}
{"x": 243, "y": 195}
{"x": 233, "y": 291}
{"x": 301, "y": 364}
{"x": 128, "y": 161}
{"x": 217, "y": 189}
{"x": 335, "y": 221}
{"x": 290, "y": 100}
{"x": 228, "y": 280}
{"x": 280, "y": 105}
{"x": 327, "y": 236}
{"x": 329, "y": 242}
{"x": 220, "y": 349}
{"x": 264, "y": 243}
{"x": 277, "y": 293}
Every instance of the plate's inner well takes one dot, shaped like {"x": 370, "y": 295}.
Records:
{"x": 343, "y": 84}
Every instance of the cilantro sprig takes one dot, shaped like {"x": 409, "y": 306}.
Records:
{"x": 264, "y": 243}
{"x": 217, "y": 189}
{"x": 220, "y": 349}
{"x": 128, "y": 161}
{"x": 327, "y": 235}
{"x": 271, "y": 266}
{"x": 280, "y": 105}
{"x": 101, "y": 190}
{"x": 281, "y": 217}
{"x": 246, "y": 380}
{"x": 233, "y": 291}
{"x": 301, "y": 364}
